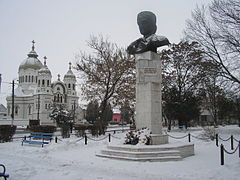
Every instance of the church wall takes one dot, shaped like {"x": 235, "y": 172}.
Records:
{"x": 21, "y": 109}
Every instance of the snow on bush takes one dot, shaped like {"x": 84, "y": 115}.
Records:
{"x": 209, "y": 133}
{"x": 141, "y": 137}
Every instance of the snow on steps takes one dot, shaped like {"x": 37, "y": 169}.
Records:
{"x": 148, "y": 153}
{"x": 161, "y": 159}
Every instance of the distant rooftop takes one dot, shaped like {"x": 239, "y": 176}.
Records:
{"x": 3, "y": 109}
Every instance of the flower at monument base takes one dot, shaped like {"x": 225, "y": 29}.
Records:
{"x": 140, "y": 137}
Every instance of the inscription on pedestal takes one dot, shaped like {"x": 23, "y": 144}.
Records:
{"x": 150, "y": 71}
{"x": 148, "y": 74}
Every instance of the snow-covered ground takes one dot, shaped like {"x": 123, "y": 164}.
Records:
{"x": 73, "y": 160}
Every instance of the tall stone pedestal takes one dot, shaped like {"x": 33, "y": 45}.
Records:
{"x": 149, "y": 96}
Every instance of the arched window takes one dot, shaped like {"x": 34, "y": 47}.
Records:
{"x": 16, "y": 109}
{"x": 61, "y": 99}
{"x": 29, "y": 109}
{"x": 49, "y": 106}
{"x": 38, "y": 82}
{"x": 54, "y": 99}
{"x": 36, "y": 79}
{"x": 73, "y": 86}
{"x": 45, "y": 106}
{"x": 9, "y": 110}
{"x": 69, "y": 86}
{"x": 32, "y": 78}
{"x": 25, "y": 78}
{"x": 48, "y": 82}
{"x": 58, "y": 98}
{"x": 29, "y": 78}
{"x": 43, "y": 82}
{"x": 58, "y": 88}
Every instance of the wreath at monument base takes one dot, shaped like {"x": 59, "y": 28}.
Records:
{"x": 141, "y": 137}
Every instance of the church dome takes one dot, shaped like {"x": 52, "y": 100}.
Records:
{"x": 32, "y": 62}
{"x": 70, "y": 74}
{"x": 44, "y": 70}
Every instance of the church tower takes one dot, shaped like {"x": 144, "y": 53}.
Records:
{"x": 70, "y": 82}
{"x": 44, "y": 79}
{"x": 44, "y": 96}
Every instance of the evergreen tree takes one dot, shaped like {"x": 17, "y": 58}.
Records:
{"x": 92, "y": 112}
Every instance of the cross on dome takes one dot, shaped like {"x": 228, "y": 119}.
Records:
{"x": 45, "y": 58}
{"x": 58, "y": 77}
{"x": 70, "y": 65}
{"x": 33, "y": 42}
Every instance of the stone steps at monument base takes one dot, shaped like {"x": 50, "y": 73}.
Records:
{"x": 158, "y": 159}
{"x": 140, "y": 154}
{"x": 166, "y": 152}
{"x": 143, "y": 149}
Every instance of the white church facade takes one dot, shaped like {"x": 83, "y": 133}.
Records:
{"x": 36, "y": 93}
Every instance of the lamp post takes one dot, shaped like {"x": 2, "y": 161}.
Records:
{"x": 74, "y": 109}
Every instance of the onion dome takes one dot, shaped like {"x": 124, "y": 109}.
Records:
{"x": 44, "y": 69}
{"x": 32, "y": 62}
{"x": 69, "y": 73}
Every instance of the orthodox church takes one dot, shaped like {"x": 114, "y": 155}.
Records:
{"x": 36, "y": 94}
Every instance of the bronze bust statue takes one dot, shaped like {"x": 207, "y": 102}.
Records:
{"x": 146, "y": 21}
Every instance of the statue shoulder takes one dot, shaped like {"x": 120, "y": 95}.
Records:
{"x": 158, "y": 40}
{"x": 155, "y": 37}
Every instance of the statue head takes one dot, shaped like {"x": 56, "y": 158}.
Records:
{"x": 146, "y": 21}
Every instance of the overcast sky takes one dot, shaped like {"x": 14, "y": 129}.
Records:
{"x": 61, "y": 28}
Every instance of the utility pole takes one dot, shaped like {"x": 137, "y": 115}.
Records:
{"x": 0, "y": 82}
{"x": 38, "y": 108}
{"x": 12, "y": 102}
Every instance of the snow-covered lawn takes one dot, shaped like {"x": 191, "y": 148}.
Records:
{"x": 73, "y": 160}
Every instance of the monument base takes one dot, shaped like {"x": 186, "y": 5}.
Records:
{"x": 158, "y": 139}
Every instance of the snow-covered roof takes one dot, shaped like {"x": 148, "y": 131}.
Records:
{"x": 31, "y": 63}
{"x": 3, "y": 109}
{"x": 116, "y": 111}
{"x": 19, "y": 92}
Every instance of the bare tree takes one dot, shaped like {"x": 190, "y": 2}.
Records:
{"x": 217, "y": 29}
{"x": 184, "y": 68}
{"x": 108, "y": 74}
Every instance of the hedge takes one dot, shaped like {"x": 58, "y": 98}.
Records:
{"x": 7, "y": 132}
{"x": 43, "y": 128}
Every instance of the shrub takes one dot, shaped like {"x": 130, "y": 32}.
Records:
{"x": 138, "y": 137}
{"x": 6, "y": 133}
{"x": 80, "y": 129}
{"x": 209, "y": 133}
{"x": 94, "y": 130}
{"x": 43, "y": 128}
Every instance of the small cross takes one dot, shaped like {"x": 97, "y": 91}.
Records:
{"x": 33, "y": 45}
{"x": 70, "y": 64}
{"x": 58, "y": 77}
{"x": 45, "y": 58}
